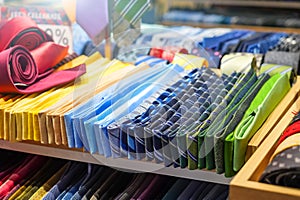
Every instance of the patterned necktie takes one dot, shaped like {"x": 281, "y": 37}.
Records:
{"x": 126, "y": 19}
{"x": 284, "y": 169}
{"x": 239, "y": 62}
{"x": 283, "y": 58}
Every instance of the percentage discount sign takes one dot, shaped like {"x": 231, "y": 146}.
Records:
{"x": 58, "y": 35}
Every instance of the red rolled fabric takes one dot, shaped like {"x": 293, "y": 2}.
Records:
{"x": 22, "y": 31}
{"x": 28, "y": 56}
{"x": 19, "y": 73}
{"x": 167, "y": 53}
{"x": 156, "y": 52}
{"x": 47, "y": 55}
{"x": 289, "y": 131}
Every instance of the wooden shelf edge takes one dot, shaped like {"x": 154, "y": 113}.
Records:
{"x": 119, "y": 163}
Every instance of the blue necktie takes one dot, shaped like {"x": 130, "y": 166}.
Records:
{"x": 142, "y": 119}
{"x": 117, "y": 100}
{"x": 98, "y": 103}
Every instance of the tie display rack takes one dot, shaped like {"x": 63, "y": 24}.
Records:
{"x": 245, "y": 183}
{"x": 256, "y": 146}
{"x": 164, "y": 6}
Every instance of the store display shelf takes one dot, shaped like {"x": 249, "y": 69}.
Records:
{"x": 246, "y": 182}
{"x": 119, "y": 163}
{"x": 244, "y": 3}
{"x": 234, "y": 26}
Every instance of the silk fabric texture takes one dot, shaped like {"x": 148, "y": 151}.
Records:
{"x": 28, "y": 56}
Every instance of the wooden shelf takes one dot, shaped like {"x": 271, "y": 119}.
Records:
{"x": 233, "y": 26}
{"x": 119, "y": 163}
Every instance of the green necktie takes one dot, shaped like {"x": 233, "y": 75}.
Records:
{"x": 231, "y": 120}
{"x": 262, "y": 105}
{"x": 273, "y": 69}
{"x": 126, "y": 19}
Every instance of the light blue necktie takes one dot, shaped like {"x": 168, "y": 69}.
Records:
{"x": 92, "y": 106}
{"x": 86, "y": 126}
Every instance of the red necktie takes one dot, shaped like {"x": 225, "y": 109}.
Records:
{"x": 27, "y": 58}
{"x": 289, "y": 131}
{"x": 166, "y": 53}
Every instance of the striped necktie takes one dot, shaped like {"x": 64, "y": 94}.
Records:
{"x": 126, "y": 19}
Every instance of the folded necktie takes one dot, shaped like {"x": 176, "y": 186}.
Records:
{"x": 28, "y": 57}
{"x": 240, "y": 62}
{"x": 284, "y": 58}
{"x": 189, "y": 62}
{"x": 231, "y": 121}
{"x": 263, "y": 104}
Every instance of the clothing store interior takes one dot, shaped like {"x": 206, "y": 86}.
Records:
{"x": 149, "y": 99}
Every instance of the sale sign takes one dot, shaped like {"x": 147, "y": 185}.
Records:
{"x": 53, "y": 21}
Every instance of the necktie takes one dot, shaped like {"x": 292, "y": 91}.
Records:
{"x": 126, "y": 20}
{"x": 232, "y": 121}
{"x": 283, "y": 58}
{"x": 290, "y": 141}
{"x": 49, "y": 183}
{"x": 130, "y": 190}
{"x": 156, "y": 185}
{"x": 167, "y": 53}
{"x": 65, "y": 181}
{"x": 189, "y": 62}
{"x": 195, "y": 157}
{"x": 116, "y": 100}
{"x": 289, "y": 131}
{"x": 21, "y": 173}
{"x": 232, "y": 62}
{"x": 28, "y": 72}
{"x": 283, "y": 169}
{"x": 264, "y": 103}
{"x": 93, "y": 16}
{"x": 273, "y": 69}
{"x": 143, "y": 143}
{"x": 118, "y": 110}
{"x": 159, "y": 112}
{"x": 215, "y": 114}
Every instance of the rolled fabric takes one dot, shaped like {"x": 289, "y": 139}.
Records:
{"x": 167, "y": 53}
{"x": 28, "y": 58}
{"x": 289, "y": 131}
{"x": 284, "y": 168}
{"x": 22, "y": 31}
{"x": 18, "y": 69}
{"x": 19, "y": 73}
{"x": 293, "y": 140}
{"x": 47, "y": 55}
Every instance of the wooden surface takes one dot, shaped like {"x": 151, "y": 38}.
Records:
{"x": 245, "y": 184}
